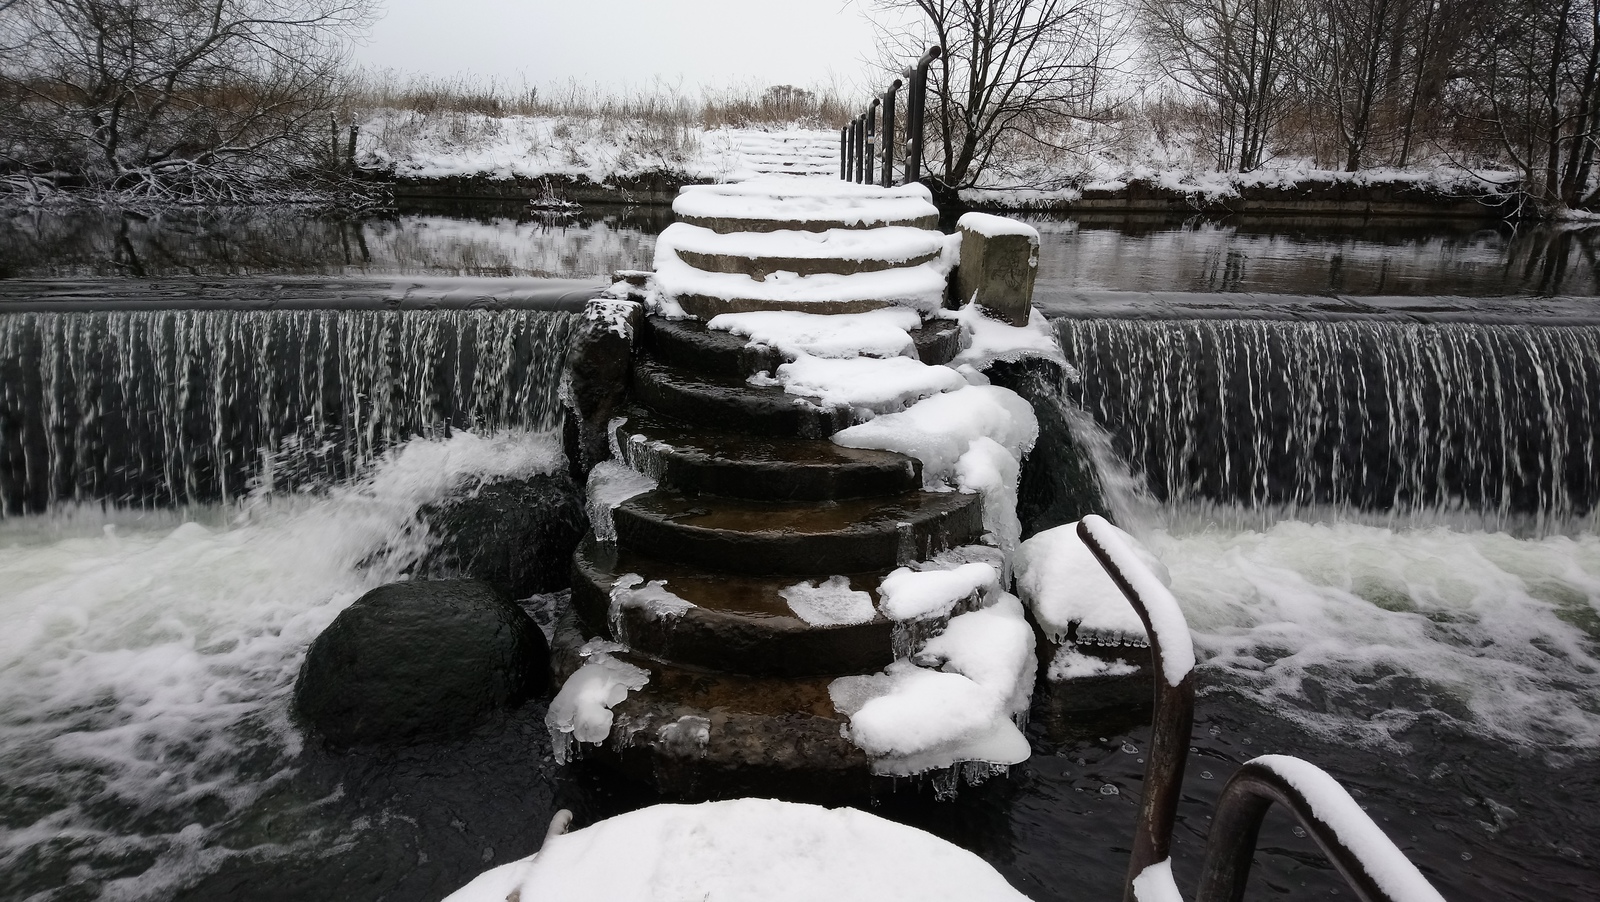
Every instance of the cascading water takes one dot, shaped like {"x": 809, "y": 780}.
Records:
{"x": 187, "y": 406}
{"x": 1494, "y": 423}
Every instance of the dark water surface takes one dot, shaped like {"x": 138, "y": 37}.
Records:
{"x": 1445, "y": 669}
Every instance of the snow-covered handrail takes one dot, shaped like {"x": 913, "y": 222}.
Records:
{"x": 1172, "y": 653}
{"x": 1371, "y": 863}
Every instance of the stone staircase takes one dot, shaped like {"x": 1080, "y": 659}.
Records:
{"x": 754, "y": 510}
{"x": 788, "y": 152}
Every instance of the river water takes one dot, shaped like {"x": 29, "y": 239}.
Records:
{"x": 1415, "y": 606}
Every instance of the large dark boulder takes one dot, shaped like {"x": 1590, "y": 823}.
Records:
{"x": 419, "y": 660}
{"x": 516, "y": 534}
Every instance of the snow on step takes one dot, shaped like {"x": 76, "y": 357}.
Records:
{"x": 920, "y": 287}
{"x": 1064, "y": 585}
{"x": 744, "y": 849}
{"x": 807, "y": 200}
{"x": 890, "y": 244}
{"x": 878, "y": 385}
{"x": 875, "y": 333}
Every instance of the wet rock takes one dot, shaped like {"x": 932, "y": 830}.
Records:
{"x": 516, "y": 534}
{"x": 419, "y": 660}
{"x": 594, "y": 386}
{"x": 1058, "y": 483}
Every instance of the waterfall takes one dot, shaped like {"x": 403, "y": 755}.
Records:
{"x": 1494, "y": 421}
{"x": 184, "y": 406}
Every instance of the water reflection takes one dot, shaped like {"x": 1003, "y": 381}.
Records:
{"x": 445, "y": 240}
{"x": 1318, "y": 256}
{"x": 1277, "y": 255}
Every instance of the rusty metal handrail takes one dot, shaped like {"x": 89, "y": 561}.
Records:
{"x": 1250, "y": 792}
{"x": 858, "y": 152}
{"x": 1171, "y": 723}
{"x": 1244, "y": 802}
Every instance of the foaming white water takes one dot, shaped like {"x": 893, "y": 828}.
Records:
{"x": 1359, "y": 631}
{"x": 147, "y": 659}
{"x": 1360, "y": 626}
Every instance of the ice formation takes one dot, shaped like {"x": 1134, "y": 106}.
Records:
{"x": 830, "y": 602}
{"x": 610, "y": 484}
{"x": 1071, "y": 664}
{"x": 631, "y": 591}
{"x": 581, "y": 711}
{"x": 744, "y": 849}
{"x": 1064, "y": 584}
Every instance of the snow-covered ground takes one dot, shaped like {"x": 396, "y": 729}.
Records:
{"x": 599, "y": 149}
{"x": 603, "y": 150}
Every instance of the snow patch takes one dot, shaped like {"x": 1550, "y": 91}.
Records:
{"x": 1065, "y": 587}
{"x": 875, "y": 333}
{"x": 830, "y": 602}
{"x": 991, "y": 226}
{"x": 744, "y": 849}
{"x": 1167, "y": 625}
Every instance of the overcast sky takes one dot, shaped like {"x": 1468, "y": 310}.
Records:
{"x": 618, "y": 43}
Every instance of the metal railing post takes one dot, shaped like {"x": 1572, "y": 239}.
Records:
{"x": 844, "y": 153}
{"x": 1170, "y": 724}
{"x": 861, "y": 147}
{"x": 887, "y": 178}
{"x": 870, "y": 158}
{"x": 916, "y": 106}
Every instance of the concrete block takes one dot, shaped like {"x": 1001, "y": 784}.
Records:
{"x": 999, "y": 260}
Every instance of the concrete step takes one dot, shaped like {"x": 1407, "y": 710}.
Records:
{"x": 735, "y": 465}
{"x": 692, "y": 734}
{"x": 779, "y": 203}
{"x": 732, "y": 404}
{"x": 738, "y": 624}
{"x": 850, "y": 536}
{"x": 690, "y": 345}
{"x": 841, "y": 252}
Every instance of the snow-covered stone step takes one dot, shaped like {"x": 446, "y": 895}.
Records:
{"x": 720, "y": 351}
{"x": 757, "y": 625}
{"x": 762, "y": 538}
{"x": 690, "y": 733}
{"x": 737, "y": 465}
{"x": 733, "y": 404}
{"x": 774, "y": 204}
{"x": 706, "y": 294}
{"x": 837, "y": 251}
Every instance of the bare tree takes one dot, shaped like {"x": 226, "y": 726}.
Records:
{"x": 1013, "y": 71}
{"x": 1227, "y": 52}
{"x": 1533, "y": 86}
{"x": 173, "y": 98}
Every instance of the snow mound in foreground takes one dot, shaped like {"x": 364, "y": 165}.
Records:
{"x": 744, "y": 849}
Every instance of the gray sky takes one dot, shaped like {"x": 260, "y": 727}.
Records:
{"x": 621, "y": 43}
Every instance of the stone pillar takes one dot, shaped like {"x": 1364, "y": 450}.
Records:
{"x": 594, "y": 385}
{"x": 999, "y": 259}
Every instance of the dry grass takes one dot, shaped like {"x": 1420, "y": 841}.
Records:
{"x": 660, "y": 103}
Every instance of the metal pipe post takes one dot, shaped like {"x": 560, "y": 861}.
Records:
{"x": 861, "y": 148}
{"x": 844, "y": 154}
{"x": 868, "y": 175}
{"x": 888, "y": 133}
{"x": 916, "y": 106}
